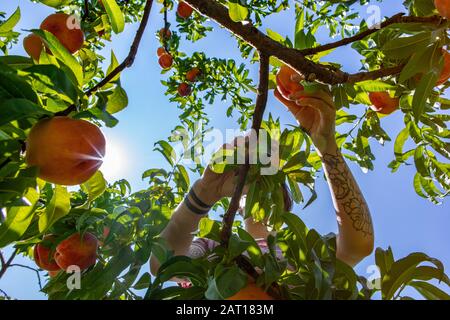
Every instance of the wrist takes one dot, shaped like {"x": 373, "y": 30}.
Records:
{"x": 204, "y": 194}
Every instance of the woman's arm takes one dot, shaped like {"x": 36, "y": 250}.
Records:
{"x": 316, "y": 114}
{"x": 355, "y": 238}
{"x": 179, "y": 232}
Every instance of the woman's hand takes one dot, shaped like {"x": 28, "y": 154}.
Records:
{"x": 316, "y": 114}
{"x": 212, "y": 186}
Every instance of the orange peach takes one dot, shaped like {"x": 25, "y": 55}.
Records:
{"x": 285, "y": 83}
{"x": 64, "y": 28}
{"x": 184, "y": 10}
{"x": 251, "y": 292}
{"x": 43, "y": 254}
{"x": 161, "y": 51}
{"x": 77, "y": 250}
{"x": 184, "y": 89}
{"x": 383, "y": 103}
{"x": 165, "y": 61}
{"x": 443, "y": 7}
{"x": 445, "y": 73}
{"x": 33, "y": 45}
{"x": 66, "y": 151}
{"x": 192, "y": 74}
{"x": 165, "y": 33}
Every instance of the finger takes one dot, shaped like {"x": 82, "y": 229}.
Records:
{"x": 320, "y": 94}
{"x": 317, "y": 104}
{"x": 291, "y": 105}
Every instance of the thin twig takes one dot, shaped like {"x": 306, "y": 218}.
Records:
{"x": 29, "y": 268}
{"x": 398, "y": 18}
{"x": 2, "y": 260}
{"x": 5, "y": 294}
{"x": 166, "y": 24}
{"x": 261, "y": 102}
{"x": 6, "y": 265}
{"x": 128, "y": 62}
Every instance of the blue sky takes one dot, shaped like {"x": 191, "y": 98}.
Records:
{"x": 401, "y": 219}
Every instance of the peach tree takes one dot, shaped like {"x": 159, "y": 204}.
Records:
{"x": 405, "y": 65}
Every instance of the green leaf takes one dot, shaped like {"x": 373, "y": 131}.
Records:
{"x": 58, "y": 207}
{"x": 115, "y": 15}
{"x": 384, "y": 260}
{"x": 227, "y": 281}
{"x": 400, "y": 142}
{"x": 95, "y": 186}
{"x": 117, "y": 101}
{"x": 112, "y": 66}
{"x": 16, "y": 62}
{"x": 181, "y": 267}
{"x": 18, "y": 219}
{"x": 13, "y": 86}
{"x": 11, "y": 22}
{"x": 236, "y": 246}
{"x": 16, "y": 109}
{"x": 144, "y": 282}
{"x": 403, "y": 271}
{"x": 429, "y": 291}
{"x": 405, "y": 46}
{"x": 182, "y": 178}
{"x": 237, "y": 11}
{"x": 297, "y": 226}
{"x": 166, "y": 150}
{"x": 209, "y": 229}
{"x": 423, "y": 91}
{"x": 61, "y": 53}
{"x": 55, "y": 78}
{"x": 420, "y": 161}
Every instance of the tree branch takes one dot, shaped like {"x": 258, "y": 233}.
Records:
{"x": 398, "y": 18}
{"x": 292, "y": 57}
{"x": 229, "y": 216}
{"x": 6, "y": 265}
{"x": 128, "y": 62}
{"x": 2, "y": 260}
{"x": 261, "y": 101}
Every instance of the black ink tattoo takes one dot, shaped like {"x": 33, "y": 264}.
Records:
{"x": 347, "y": 193}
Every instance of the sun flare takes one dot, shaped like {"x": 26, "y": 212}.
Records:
{"x": 114, "y": 162}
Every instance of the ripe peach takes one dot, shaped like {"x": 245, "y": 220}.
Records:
{"x": 165, "y": 33}
{"x": 445, "y": 73}
{"x": 106, "y": 231}
{"x": 77, "y": 250}
{"x": 443, "y": 6}
{"x": 62, "y": 26}
{"x": 33, "y": 45}
{"x": 66, "y": 151}
{"x": 43, "y": 254}
{"x": 184, "y": 89}
{"x": 53, "y": 274}
{"x": 161, "y": 51}
{"x": 192, "y": 74}
{"x": 286, "y": 86}
{"x": 383, "y": 103}
{"x": 251, "y": 292}
{"x": 184, "y": 10}
{"x": 165, "y": 61}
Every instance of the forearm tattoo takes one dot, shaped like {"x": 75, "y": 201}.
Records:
{"x": 347, "y": 194}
